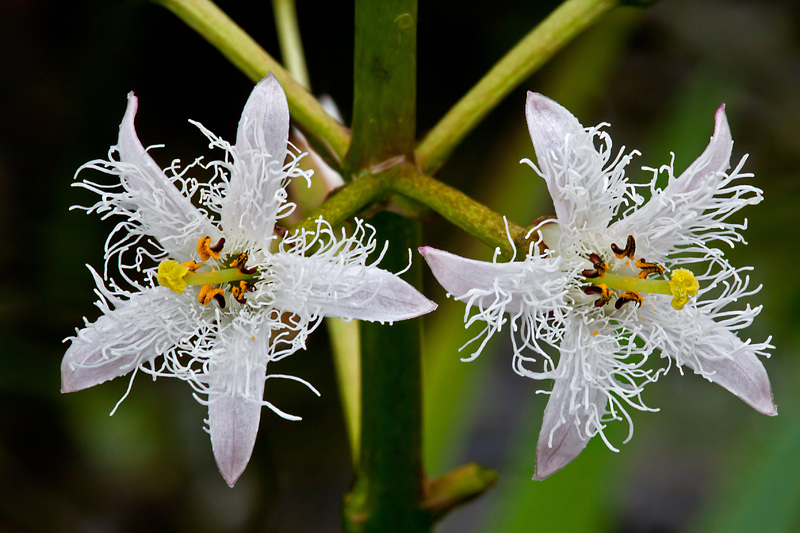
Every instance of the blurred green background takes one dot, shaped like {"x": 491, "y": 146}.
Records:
{"x": 705, "y": 462}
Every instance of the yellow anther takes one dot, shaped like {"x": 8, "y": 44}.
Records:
{"x": 207, "y": 293}
{"x": 628, "y": 296}
{"x": 648, "y": 268}
{"x": 170, "y": 275}
{"x": 683, "y": 286}
{"x": 207, "y": 251}
{"x": 240, "y": 260}
{"x": 192, "y": 265}
{"x": 629, "y": 251}
{"x": 601, "y": 289}
{"x": 240, "y": 263}
{"x": 238, "y": 291}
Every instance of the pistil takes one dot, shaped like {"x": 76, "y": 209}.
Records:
{"x": 682, "y": 286}
{"x": 176, "y": 276}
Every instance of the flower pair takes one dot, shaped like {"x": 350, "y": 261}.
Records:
{"x": 606, "y": 284}
{"x": 611, "y": 281}
{"x": 222, "y": 296}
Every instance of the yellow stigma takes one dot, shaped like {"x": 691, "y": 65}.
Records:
{"x": 683, "y": 286}
{"x": 170, "y": 275}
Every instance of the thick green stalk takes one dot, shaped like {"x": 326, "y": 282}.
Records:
{"x": 388, "y": 494}
{"x": 388, "y": 490}
{"x": 234, "y": 43}
{"x": 466, "y": 213}
{"x": 561, "y": 26}
{"x": 384, "y": 82}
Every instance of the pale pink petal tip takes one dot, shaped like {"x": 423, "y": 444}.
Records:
{"x": 233, "y": 424}
{"x": 721, "y": 127}
{"x": 743, "y": 375}
{"x": 762, "y": 401}
{"x": 567, "y": 445}
{"x": 458, "y": 274}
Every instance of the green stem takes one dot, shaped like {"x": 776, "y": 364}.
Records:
{"x": 469, "y": 215}
{"x": 562, "y": 25}
{"x": 234, "y": 43}
{"x": 388, "y": 489}
{"x": 289, "y": 40}
{"x": 346, "y": 202}
{"x": 457, "y": 487}
{"x": 384, "y": 82}
{"x": 388, "y": 492}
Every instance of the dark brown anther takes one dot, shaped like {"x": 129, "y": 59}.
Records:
{"x": 588, "y": 273}
{"x": 220, "y": 244}
{"x": 240, "y": 263}
{"x": 280, "y": 231}
{"x": 648, "y": 268}
{"x": 220, "y": 299}
{"x": 599, "y": 265}
{"x": 628, "y": 296}
{"x": 629, "y": 251}
{"x": 604, "y": 292}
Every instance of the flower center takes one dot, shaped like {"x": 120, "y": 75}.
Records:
{"x": 177, "y": 276}
{"x": 682, "y": 285}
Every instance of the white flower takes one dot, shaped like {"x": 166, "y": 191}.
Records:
{"x": 221, "y": 299}
{"x": 594, "y": 283}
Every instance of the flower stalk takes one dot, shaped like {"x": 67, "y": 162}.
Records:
{"x": 533, "y": 51}
{"x": 289, "y": 39}
{"x": 234, "y": 43}
{"x": 466, "y": 213}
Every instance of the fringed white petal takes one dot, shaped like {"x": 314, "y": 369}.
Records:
{"x": 236, "y": 374}
{"x": 600, "y": 375}
{"x": 532, "y": 291}
{"x": 137, "y": 331}
{"x": 692, "y": 338}
{"x": 571, "y": 418}
{"x": 323, "y": 286}
{"x": 696, "y": 205}
{"x": 586, "y": 183}
{"x": 255, "y": 193}
{"x": 715, "y": 159}
{"x": 482, "y": 283}
{"x": 150, "y": 197}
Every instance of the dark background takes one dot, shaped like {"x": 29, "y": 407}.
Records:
{"x": 704, "y": 462}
